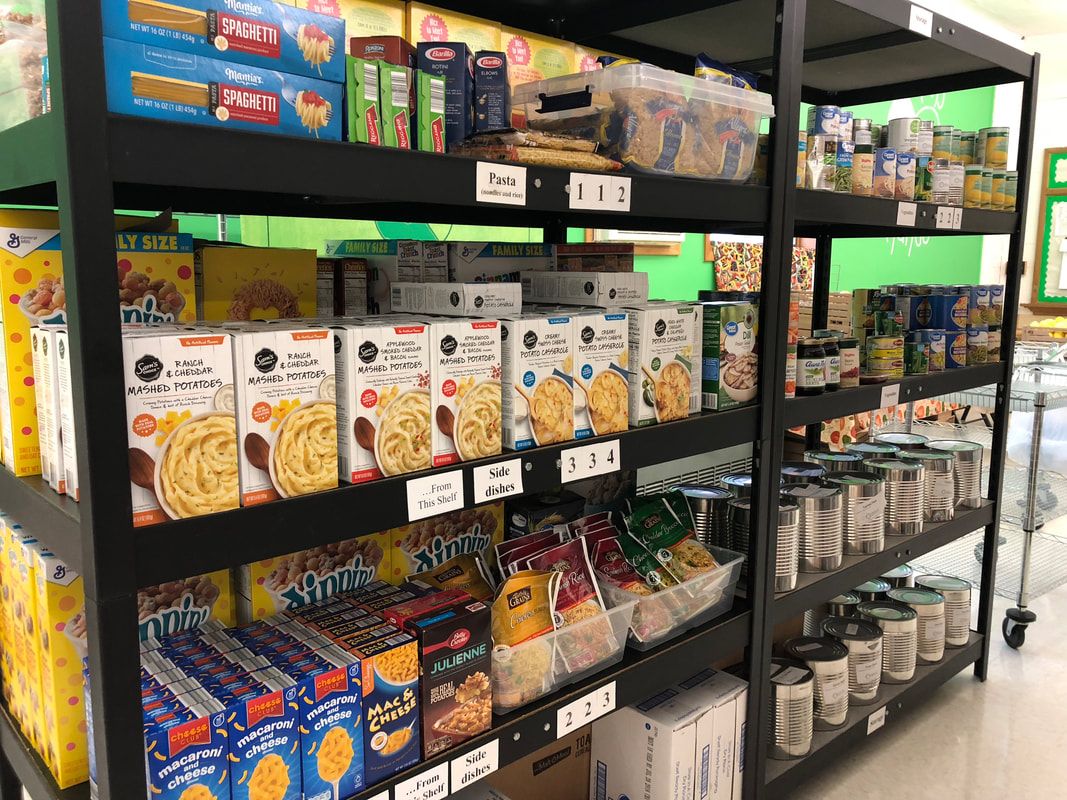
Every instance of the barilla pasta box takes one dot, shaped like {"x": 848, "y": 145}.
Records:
{"x": 258, "y": 33}
{"x": 146, "y": 80}
{"x": 331, "y": 731}
{"x": 187, "y": 754}
{"x": 430, "y": 119}
{"x": 286, "y": 411}
{"x": 361, "y": 94}
{"x": 452, "y": 62}
{"x": 362, "y": 17}
{"x": 431, "y": 24}
{"x": 261, "y": 726}
{"x": 492, "y": 93}
{"x": 497, "y": 261}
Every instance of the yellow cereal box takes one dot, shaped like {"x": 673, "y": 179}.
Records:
{"x": 585, "y": 58}
{"x": 27, "y": 641}
{"x": 248, "y": 283}
{"x": 174, "y": 606}
{"x": 61, "y": 629}
{"x": 7, "y": 625}
{"x": 155, "y": 277}
{"x": 428, "y": 543}
{"x": 430, "y": 24}
{"x": 532, "y": 57}
{"x": 362, "y": 17}
{"x": 278, "y": 584}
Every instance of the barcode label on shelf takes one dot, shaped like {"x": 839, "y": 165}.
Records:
{"x": 398, "y": 88}
{"x": 922, "y": 20}
{"x": 943, "y": 218}
{"x": 890, "y": 395}
{"x": 585, "y": 709}
{"x": 370, "y": 81}
{"x": 428, "y": 785}
{"x": 500, "y": 183}
{"x": 475, "y": 765}
{"x": 906, "y": 214}
{"x": 579, "y": 463}
{"x": 599, "y": 192}
{"x": 437, "y": 97}
{"x": 435, "y": 494}
{"x": 876, "y": 720}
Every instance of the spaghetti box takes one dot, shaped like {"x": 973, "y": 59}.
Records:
{"x": 391, "y": 49}
{"x": 395, "y": 96}
{"x": 492, "y": 94}
{"x": 430, "y": 121}
{"x": 150, "y": 81}
{"x": 361, "y": 95}
{"x": 259, "y": 33}
{"x": 453, "y": 62}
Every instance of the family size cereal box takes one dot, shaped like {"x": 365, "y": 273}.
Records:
{"x": 421, "y": 546}
{"x": 156, "y": 277}
{"x": 497, "y": 261}
{"x": 663, "y": 340}
{"x": 286, "y": 411}
{"x": 537, "y": 360}
{"x": 383, "y": 399}
{"x": 168, "y": 608}
{"x": 182, "y": 430}
{"x": 431, "y": 24}
{"x": 601, "y": 373}
{"x": 362, "y": 17}
{"x": 388, "y": 261}
{"x": 248, "y": 283}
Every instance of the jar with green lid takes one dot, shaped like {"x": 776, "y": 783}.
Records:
{"x": 972, "y": 186}
{"x": 987, "y": 187}
{"x": 850, "y": 362}
{"x": 999, "y": 178}
{"x": 811, "y": 367}
{"x": 1011, "y": 190}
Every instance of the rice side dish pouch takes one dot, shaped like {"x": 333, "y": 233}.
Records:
{"x": 654, "y": 573}
{"x": 578, "y": 597}
{"x": 658, "y": 529}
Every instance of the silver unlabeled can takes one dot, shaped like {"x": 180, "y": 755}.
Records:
{"x": 930, "y": 608}
{"x": 821, "y": 543}
{"x": 905, "y": 484}
{"x": 828, "y": 659}
{"x": 787, "y": 548}
{"x": 967, "y": 471}
{"x": 939, "y": 500}
{"x": 793, "y": 701}
{"x": 957, "y": 594}
{"x": 900, "y": 631}
{"x": 863, "y": 510}
{"x": 844, "y": 605}
{"x": 864, "y": 642}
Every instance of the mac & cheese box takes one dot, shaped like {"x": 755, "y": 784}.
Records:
{"x": 259, "y": 33}
{"x": 261, "y": 726}
{"x": 255, "y": 283}
{"x": 187, "y": 752}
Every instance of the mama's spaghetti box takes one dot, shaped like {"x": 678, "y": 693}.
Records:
{"x": 146, "y": 80}
{"x": 259, "y": 33}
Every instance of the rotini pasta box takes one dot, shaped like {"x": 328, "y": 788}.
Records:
{"x": 259, "y": 33}
{"x": 465, "y": 389}
{"x": 537, "y": 359}
{"x": 182, "y": 429}
{"x": 428, "y": 543}
{"x": 254, "y": 283}
{"x": 663, "y": 341}
{"x": 383, "y": 399}
{"x": 286, "y": 411}
{"x": 601, "y": 373}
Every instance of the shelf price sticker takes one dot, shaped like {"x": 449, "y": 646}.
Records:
{"x": 475, "y": 765}
{"x": 906, "y": 213}
{"x": 585, "y": 709}
{"x": 921, "y": 21}
{"x": 435, "y": 494}
{"x": 496, "y": 182}
{"x": 427, "y": 785}
{"x": 957, "y": 218}
{"x": 497, "y": 481}
{"x": 579, "y": 463}
{"x": 943, "y": 218}
{"x": 599, "y": 192}
{"x": 890, "y": 395}
{"x": 876, "y": 720}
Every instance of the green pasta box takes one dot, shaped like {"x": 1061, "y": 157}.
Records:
{"x": 430, "y": 112}
{"x": 364, "y": 113}
{"x": 395, "y": 98}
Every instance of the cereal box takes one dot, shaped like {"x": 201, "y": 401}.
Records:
{"x": 325, "y": 269}
{"x": 286, "y": 412}
{"x": 167, "y": 608}
{"x": 730, "y": 360}
{"x": 46, "y": 414}
{"x": 601, "y": 351}
{"x": 497, "y": 261}
{"x": 259, "y": 33}
{"x": 662, "y": 344}
{"x": 27, "y": 639}
{"x": 362, "y": 17}
{"x": 599, "y": 289}
{"x": 361, "y": 95}
{"x": 387, "y": 262}
{"x": 246, "y": 283}
{"x": 457, "y": 299}
{"x": 182, "y": 430}
{"x": 61, "y": 621}
{"x": 465, "y": 389}
{"x": 383, "y": 399}
{"x": 299, "y": 579}
{"x": 67, "y": 430}
{"x": 421, "y": 546}
{"x": 156, "y": 281}
{"x": 430, "y": 24}
{"x": 537, "y": 382}
{"x": 455, "y": 651}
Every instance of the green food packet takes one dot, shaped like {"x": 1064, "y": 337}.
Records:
{"x": 645, "y": 564}
{"x": 430, "y": 113}
{"x": 658, "y": 528}
{"x": 361, "y": 94}
{"x": 395, "y": 98}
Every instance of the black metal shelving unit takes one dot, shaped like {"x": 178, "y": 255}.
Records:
{"x": 89, "y": 162}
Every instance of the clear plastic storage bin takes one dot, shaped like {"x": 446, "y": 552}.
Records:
{"x": 528, "y": 671}
{"x": 670, "y": 612}
{"x": 653, "y": 120}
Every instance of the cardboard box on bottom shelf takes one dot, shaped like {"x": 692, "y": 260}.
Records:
{"x": 597, "y": 289}
{"x": 558, "y": 770}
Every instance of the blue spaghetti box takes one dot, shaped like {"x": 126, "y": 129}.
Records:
{"x": 149, "y": 81}
{"x": 254, "y": 32}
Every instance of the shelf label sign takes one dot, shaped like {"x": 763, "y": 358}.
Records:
{"x": 922, "y": 21}
{"x": 943, "y": 219}
{"x": 890, "y": 395}
{"x": 497, "y": 481}
{"x": 599, "y": 192}
{"x": 428, "y": 785}
{"x": 585, "y": 709}
{"x": 579, "y": 463}
{"x": 475, "y": 765}
{"x": 435, "y": 494}
{"x": 876, "y": 720}
{"x": 906, "y": 213}
{"x": 957, "y": 218}
{"x": 496, "y": 182}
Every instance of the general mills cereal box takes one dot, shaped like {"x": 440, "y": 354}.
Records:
{"x": 182, "y": 430}
{"x": 426, "y": 544}
{"x": 248, "y": 283}
{"x": 362, "y": 17}
{"x": 537, "y": 360}
{"x": 387, "y": 262}
{"x": 156, "y": 282}
{"x": 663, "y": 341}
{"x": 383, "y": 399}
{"x": 286, "y": 411}
{"x": 497, "y": 261}
{"x": 431, "y": 24}
{"x": 168, "y": 608}
{"x": 47, "y": 412}
{"x": 601, "y": 373}
{"x": 28, "y": 640}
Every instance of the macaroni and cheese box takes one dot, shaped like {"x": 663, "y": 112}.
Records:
{"x": 383, "y": 399}
{"x": 156, "y": 277}
{"x": 331, "y": 732}
{"x": 465, "y": 389}
{"x": 187, "y": 754}
{"x": 261, "y": 726}
{"x": 361, "y": 95}
{"x": 286, "y": 412}
{"x": 182, "y": 429}
{"x": 145, "y": 80}
{"x": 598, "y": 289}
{"x": 457, "y": 299}
{"x": 259, "y": 33}
{"x": 537, "y": 357}
{"x": 388, "y": 261}
{"x": 431, "y": 24}
{"x": 67, "y": 430}
{"x": 663, "y": 340}
{"x": 497, "y": 261}
{"x": 252, "y": 283}
{"x": 602, "y": 357}
{"x": 428, "y": 543}
{"x": 362, "y": 17}
{"x": 190, "y": 604}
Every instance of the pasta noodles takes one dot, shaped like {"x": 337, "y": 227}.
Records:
{"x": 608, "y": 403}
{"x": 477, "y": 429}
{"x": 305, "y": 457}
{"x": 166, "y": 15}
{"x": 199, "y": 470}
{"x": 197, "y": 792}
{"x": 173, "y": 90}
{"x": 552, "y": 411}
{"x": 403, "y": 441}
{"x": 672, "y": 392}
{"x": 315, "y": 44}
{"x": 335, "y": 754}
{"x": 397, "y": 741}
{"x": 314, "y": 110}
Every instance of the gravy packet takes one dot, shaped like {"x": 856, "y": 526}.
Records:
{"x": 467, "y": 571}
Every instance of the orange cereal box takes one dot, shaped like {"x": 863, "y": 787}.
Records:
{"x": 431, "y": 24}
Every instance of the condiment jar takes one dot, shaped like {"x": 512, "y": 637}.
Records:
{"x": 811, "y": 367}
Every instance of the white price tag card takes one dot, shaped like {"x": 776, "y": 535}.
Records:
{"x": 957, "y": 218}
{"x": 599, "y": 192}
{"x": 497, "y": 481}
{"x": 922, "y": 20}
{"x": 381, "y": 795}
{"x": 496, "y": 182}
{"x": 876, "y": 720}
{"x": 890, "y": 395}
{"x": 906, "y": 213}
{"x": 428, "y": 785}
{"x": 435, "y": 494}
{"x": 578, "y": 463}
{"x": 475, "y": 765}
{"x": 585, "y": 709}
{"x": 943, "y": 219}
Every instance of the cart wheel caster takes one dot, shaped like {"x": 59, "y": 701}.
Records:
{"x": 1014, "y": 634}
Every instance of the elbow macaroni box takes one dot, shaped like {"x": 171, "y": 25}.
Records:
{"x": 362, "y": 17}
{"x": 537, "y": 358}
{"x": 430, "y": 24}
{"x": 259, "y": 33}
{"x": 145, "y": 80}
{"x": 497, "y": 261}
{"x": 601, "y": 373}
{"x": 254, "y": 283}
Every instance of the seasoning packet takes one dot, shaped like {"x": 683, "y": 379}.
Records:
{"x": 656, "y": 527}
{"x": 522, "y": 656}
{"x": 467, "y": 571}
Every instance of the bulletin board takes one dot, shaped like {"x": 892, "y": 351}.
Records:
{"x": 1050, "y": 277}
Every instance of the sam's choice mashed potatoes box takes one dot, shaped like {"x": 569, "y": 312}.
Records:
{"x": 182, "y": 430}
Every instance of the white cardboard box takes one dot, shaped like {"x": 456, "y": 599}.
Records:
{"x": 457, "y": 299}
{"x": 497, "y": 261}
{"x": 716, "y": 738}
{"x": 596, "y": 289}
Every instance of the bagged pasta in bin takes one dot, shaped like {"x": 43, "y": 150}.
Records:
{"x": 23, "y": 46}
{"x": 522, "y": 655}
{"x": 467, "y": 571}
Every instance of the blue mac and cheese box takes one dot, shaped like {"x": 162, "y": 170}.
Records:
{"x": 186, "y": 754}
{"x": 254, "y": 32}
{"x": 261, "y": 725}
{"x": 149, "y": 81}
{"x": 331, "y": 732}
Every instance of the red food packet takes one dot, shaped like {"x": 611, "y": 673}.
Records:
{"x": 578, "y": 597}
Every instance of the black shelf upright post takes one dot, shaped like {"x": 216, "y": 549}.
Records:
{"x": 774, "y": 307}
{"x": 820, "y": 313}
{"x": 84, "y": 192}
